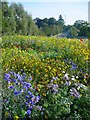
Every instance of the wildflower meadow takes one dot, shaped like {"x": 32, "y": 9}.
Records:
{"x": 45, "y": 78}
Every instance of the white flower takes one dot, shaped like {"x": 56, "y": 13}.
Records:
{"x": 63, "y": 71}
{"x": 66, "y": 76}
{"x": 77, "y": 77}
{"x": 73, "y": 78}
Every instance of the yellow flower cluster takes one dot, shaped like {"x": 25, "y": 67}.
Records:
{"x": 43, "y": 57}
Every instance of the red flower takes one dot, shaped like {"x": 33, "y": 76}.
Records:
{"x": 81, "y": 40}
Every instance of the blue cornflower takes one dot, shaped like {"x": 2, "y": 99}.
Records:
{"x": 24, "y": 83}
{"x": 28, "y": 112}
{"x": 11, "y": 87}
{"x": 27, "y": 96}
{"x": 28, "y": 85}
{"x": 19, "y": 77}
{"x": 29, "y": 93}
{"x": 7, "y": 76}
{"x": 17, "y": 83}
{"x": 37, "y": 98}
{"x": 25, "y": 87}
{"x": 26, "y": 103}
{"x": 16, "y": 93}
{"x": 74, "y": 66}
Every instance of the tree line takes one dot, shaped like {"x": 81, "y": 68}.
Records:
{"x": 50, "y": 26}
{"x": 15, "y": 20}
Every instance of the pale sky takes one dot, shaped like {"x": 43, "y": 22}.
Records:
{"x": 71, "y": 10}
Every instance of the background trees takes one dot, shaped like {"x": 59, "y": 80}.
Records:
{"x": 15, "y": 20}
{"x": 50, "y": 26}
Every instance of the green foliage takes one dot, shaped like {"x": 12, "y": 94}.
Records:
{"x": 15, "y": 20}
{"x": 83, "y": 27}
{"x": 50, "y": 26}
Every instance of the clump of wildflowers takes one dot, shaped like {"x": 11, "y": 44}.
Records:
{"x": 52, "y": 86}
{"x": 74, "y": 93}
{"x": 20, "y": 96}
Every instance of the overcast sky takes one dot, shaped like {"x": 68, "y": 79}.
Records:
{"x": 71, "y": 10}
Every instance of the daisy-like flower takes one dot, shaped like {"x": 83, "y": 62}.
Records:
{"x": 66, "y": 76}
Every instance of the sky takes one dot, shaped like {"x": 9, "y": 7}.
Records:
{"x": 71, "y": 10}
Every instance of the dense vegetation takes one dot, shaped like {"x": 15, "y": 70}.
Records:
{"x": 15, "y": 20}
{"x": 45, "y": 78}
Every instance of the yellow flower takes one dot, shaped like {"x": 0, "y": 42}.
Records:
{"x": 16, "y": 117}
{"x": 38, "y": 89}
{"x": 9, "y": 84}
{"x": 6, "y": 114}
{"x": 44, "y": 94}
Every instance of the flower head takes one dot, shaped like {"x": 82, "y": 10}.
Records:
{"x": 16, "y": 118}
{"x": 28, "y": 112}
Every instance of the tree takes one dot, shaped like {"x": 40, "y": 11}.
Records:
{"x": 7, "y": 19}
{"x": 51, "y": 21}
{"x": 83, "y": 27}
{"x": 61, "y": 20}
{"x": 74, "y": 31}
{"x": 15, "y": 20}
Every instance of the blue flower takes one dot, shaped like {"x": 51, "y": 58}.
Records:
{"x": 7, "y": 76}
{"x": 27, "y": 96}
{"x": 17, "y": 83}
{"x": 30, "y": 108}
{"x": 11, "y": 87}
{"x": 29, "y": 93}
{"x": 28, "y": 112}
{"x": 26, "y": 103}
{"x": 28, "y": 85}
{"x": 37, "y": 98}
{"x": 74, "y": 66}
{"x": 16, "y": 93}
{"x": 24, "y": 83}
{"x": 19, "y": 77}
